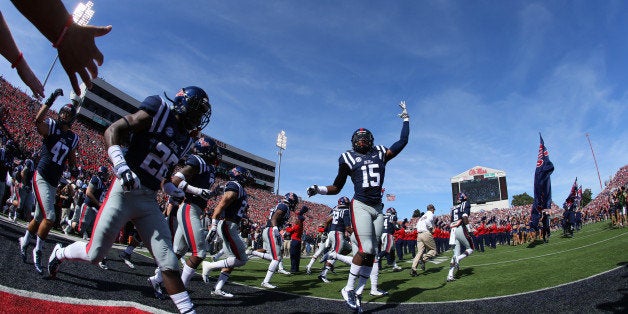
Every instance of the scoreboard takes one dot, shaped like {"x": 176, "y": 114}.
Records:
{"x": 481, "y": 185}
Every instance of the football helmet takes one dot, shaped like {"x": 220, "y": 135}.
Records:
{"x": 291, "y": 200}
{"x": 362, "y": 140}
{"x": 67, "y": 114}
{"x": 103, "y": 172}
{"x": 207, "y": 149}
{"x": 462, "y": 197}
{"x": 344, "y": 202}
{"x": 240, "y": 174}
{"x": 192, "y": 108}
{"x": 391, "y": 211}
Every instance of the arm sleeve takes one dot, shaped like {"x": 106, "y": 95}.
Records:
{"x": 403, "y": 139}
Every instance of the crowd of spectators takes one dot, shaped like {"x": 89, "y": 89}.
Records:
{"x": 17, "y": 110}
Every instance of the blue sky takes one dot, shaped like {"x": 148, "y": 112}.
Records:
{"x": 481, "y": 80}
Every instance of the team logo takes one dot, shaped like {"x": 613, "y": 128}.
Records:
{"x": 169, "y": 132}
{"x": 359, "y": 159}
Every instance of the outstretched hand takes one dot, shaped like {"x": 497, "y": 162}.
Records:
{"x": 78, "y": 53}
{"x": 404, "y": 112}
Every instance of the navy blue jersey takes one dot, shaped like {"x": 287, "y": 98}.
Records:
{"x": 281, "y": 220}
{"x": 237, "y": 209}
{"x": 390, "y": 223}
{"x": 54, "y": 152}
{"x": 367, "y": 173}
{"x": 341, "y": 219}
{"x": 27, "y": 173}
{"x": 204, "y": 179}
{"x": 458, "y": 211}
{"x": 153, "y": 152}
{"x": 98, "y": 189}
{"x": 5, "y": 162}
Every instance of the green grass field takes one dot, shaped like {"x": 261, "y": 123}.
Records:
{"x": 496, "y": 272}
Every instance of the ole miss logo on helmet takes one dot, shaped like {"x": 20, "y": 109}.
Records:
{"x": 203, "y": 142}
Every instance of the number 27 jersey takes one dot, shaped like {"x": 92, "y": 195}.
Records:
{"x": 367, "y": 173}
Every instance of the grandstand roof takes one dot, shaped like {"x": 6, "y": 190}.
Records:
{"x": 478, "y": 171}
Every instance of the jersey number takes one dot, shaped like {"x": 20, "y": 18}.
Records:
{"x": 370, "y": 175}
{"x": 159, "y": 161}
{"x": 59, "y": 151}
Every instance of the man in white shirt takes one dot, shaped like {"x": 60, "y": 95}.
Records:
{"x": 425, "y": 241}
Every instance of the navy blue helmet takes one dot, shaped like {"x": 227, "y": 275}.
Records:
{"x": 191, "y": 106}
{"x": 344, "y": 202}
{"x": 207, "y": 149}
{"x": 362, "y": 140}
{"x": 292, "y": 200}
{"x": 67, "y": 114}
{"x": 240, "y": 174}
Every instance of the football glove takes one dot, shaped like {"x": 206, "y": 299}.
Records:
{"x": 404, "y": 113}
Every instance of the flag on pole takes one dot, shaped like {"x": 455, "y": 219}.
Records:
{"x": 573, "y": 194}
{"x": 542, "y": 182}
{"x": 390, "y": 197}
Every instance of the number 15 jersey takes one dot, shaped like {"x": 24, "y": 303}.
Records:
{"x": 367, "y": 173}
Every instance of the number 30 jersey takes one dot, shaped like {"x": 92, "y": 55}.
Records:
{"x": 367, "y": 173}
{"x": 153, "y": 152}
{"x": 55, "y": 150}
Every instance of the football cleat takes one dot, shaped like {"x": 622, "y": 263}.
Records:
{"x": 308, "y": 270}
{"x": 268, "y": 285}
{"x": 205, "y": 272}
{"x": 358, "y": 303}
{"x": 103, "y": 264}
{"x": 349, "y": 297}
{"x": 159, "y": 294}
{"x": 221, "y": 293}
{"x": 37, "y": 261}
{"x": 422, "y": 265}
{"x": 454, "y": 263}
{"x": 22, "y": 249}
{"x": 126, "y": 257}
{"x": 324, "y": 279}
{"x": 450, "y": 279}
{"x": 378, "y": 293}
{"x": 54, "y": 262}
{"x": 396, "y": 268}
{"x": 285, "y": 272}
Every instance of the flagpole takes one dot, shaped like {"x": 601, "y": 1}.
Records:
{"x": 594, "y": 160}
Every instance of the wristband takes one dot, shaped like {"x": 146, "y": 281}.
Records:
{"x": 67, "y": 25}
{"x": 116, "y": 156}
{"x": 322, "y": 190}
{"x": 16, "y": 62}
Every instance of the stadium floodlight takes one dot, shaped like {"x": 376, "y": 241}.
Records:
{"x": 282, "y": 140}
{"x": 82, "y": 14}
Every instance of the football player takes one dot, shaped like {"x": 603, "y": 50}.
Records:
{"x": 366, "y": 165}
{"x": 158, "y": 135}
{"x": 339, "y": 223}
{"x": 225, "y": 222}
{"x": 388, "y": 241}
{"x": 94, "y": 196}
{"x": 459, "y": 234}
{"x": 195, "y": 179}
{"x": 273, "y": 248}
{"x": 59, "y": 147}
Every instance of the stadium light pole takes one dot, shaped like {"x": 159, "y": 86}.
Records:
{"x": 281, "y": 143}
{"x": 82, "y": 14}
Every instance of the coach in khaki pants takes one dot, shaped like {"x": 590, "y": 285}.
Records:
{"x": 426, "y": 247}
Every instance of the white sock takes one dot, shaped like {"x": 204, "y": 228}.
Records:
{"x": 365, "y": 273}
{"x": 354, "y": 272}
{"x": 271, "y": 270}
{"x": 39, "y": 245}
{"x": 343, "y": 258}
{"x": 182, "y": 301}
{"x": 222, "y": 279}
{"x": 312, "y": 260}
{"x": 187, "y": 274}
{"x": 75, "y": 251}
{"x": 263, "y": 255}
{"x": 374, "y": 275}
